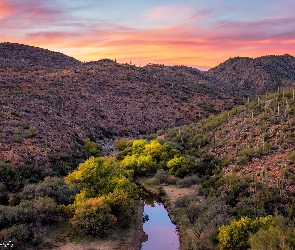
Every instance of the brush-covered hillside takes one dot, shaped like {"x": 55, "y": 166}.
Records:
{"x": 251, "y": 140}
{"x": 242, "y": 164}
{"x": 51, "y": 102}
{"x": 254, "y": 76}
{"x": 20, "y": 56}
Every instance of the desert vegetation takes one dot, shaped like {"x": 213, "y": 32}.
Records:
{"x": 78, "y": 140}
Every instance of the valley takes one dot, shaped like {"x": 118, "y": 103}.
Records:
{"x": 216, "y": 146}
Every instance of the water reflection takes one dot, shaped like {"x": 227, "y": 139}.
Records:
{"x": 162, "y": 233}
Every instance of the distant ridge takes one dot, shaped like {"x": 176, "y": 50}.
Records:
{"x": 19, "y": 55}
{"x": 254, "y": 77}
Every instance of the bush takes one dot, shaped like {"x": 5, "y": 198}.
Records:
{"x": 9, "y": 177}
{"x": 52, "y": 187}
{"x": 33, "y": 131}
{"x": 292, "y": 157}
{"x": 279, "y": 236}
{"x": 46, "y": 208}
{"x": 19, "y": 234}
{"x": 92, "y": 148}
{"x": 21, "y": 214}
{"x": 4, "y": 198}
{"x": 179, "y": 166}
{"x": 29, "y": 173}
{"x": 93, "y": 217}
{"x": 162, "y": 176}
{"x": 193, "y": 211}
{"x": 236, "y": 235}
{"x": 188, "y": 181}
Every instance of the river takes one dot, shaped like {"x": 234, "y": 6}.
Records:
{"x": 162, "y": 233}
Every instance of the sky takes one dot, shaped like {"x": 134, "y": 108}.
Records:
{"x": 196, "y": 33}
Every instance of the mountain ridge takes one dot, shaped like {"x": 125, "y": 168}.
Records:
{"x": 66, "y": 101}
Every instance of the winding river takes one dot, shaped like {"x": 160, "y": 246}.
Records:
{"x": 162, "y": 233}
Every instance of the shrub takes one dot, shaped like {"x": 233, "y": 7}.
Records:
{"x": 281, "y": 235}
{"x": 52, "y": 187}
{"x": 193, "y": 211}
{"x": 188, "y": 181}
{"x": 93, "y": 217}
{"x": 179, "y": 166}
{"x": 33, "y": 131}
{"x": 162, "y": 176}
{"x": 46, "y": 208}
{"x": 236, "y": 235}
{"x": 292, "y": 157}
{"x": 17, "y": 136}
{"x": 21, "y": 233}
{"x": 92, "y": 147}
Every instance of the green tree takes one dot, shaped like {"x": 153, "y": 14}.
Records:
{"x": 236, "y": 235}
{"x": 92, "y": 147}
{"x": 140, "y": 164}
{"x": 179, "y": 166}
{"x": 107, "y": 195}
{"x": 93, "y": 216}
{"x": 279, "y": 236}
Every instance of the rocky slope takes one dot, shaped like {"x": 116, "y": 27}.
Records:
{"x": 254, "y": 76}
{"x": 254, "y": 140}
{"x": 49, "y": 101}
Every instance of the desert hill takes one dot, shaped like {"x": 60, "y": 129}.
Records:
{"x": 255, "y": 140}
{"x": 19, "y": 56}
{"x": 254, "y": 76}
{"x": 51, "y": 102}
{"x": 56, "y": 101}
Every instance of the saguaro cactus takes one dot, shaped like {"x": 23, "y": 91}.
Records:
{"x": 281, "y": 184}
{"x": 264, "y": 176}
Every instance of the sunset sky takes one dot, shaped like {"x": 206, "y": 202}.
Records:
{"x": 198, "y": 33}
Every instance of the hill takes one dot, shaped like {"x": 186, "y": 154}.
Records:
{"x": 56, "y": 102}
{"x": 51, "y": 102}
{"x": 248, "y": 140}
{"x": 20, "y": 56}
{"x": 242, "y": 163}
{"x": 254, "y": 77}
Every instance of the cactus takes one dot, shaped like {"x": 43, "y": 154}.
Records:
{"x": 281, "y": 184}
{"x": 264, "y": 176}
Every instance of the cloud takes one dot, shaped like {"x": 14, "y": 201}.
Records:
{"x": 170, "y": 34}
{"x": 5, "y": 9}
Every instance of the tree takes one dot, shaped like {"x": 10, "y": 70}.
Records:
{"x": 97, "y": 175}
{"x": 140, "y": 164}
{"x": 280, "y": 236}
{"x": 179, "y": 166}
{"x": 236, "y": 235}
{"x": 93, "y": 216}
{"x": 92, "y": 147}
{"x": 107, "y": 195}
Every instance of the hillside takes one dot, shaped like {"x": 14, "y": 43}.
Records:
{"x": 254, "y": 77}
{"x": 19, "y": 56}
{"x": 247, "y": 140}
{"x": 242, "y": 164}
{"x": 48, "y": 110}
{"x": 51, "y": 102}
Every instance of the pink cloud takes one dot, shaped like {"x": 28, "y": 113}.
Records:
{"x": 5, "y": 9}
{"x": 183, "y": 39}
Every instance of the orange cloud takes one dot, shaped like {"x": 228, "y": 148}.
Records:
{"x": 182, "y": 40}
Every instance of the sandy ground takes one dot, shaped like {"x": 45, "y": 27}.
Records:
{"x": 174, "y": 192}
